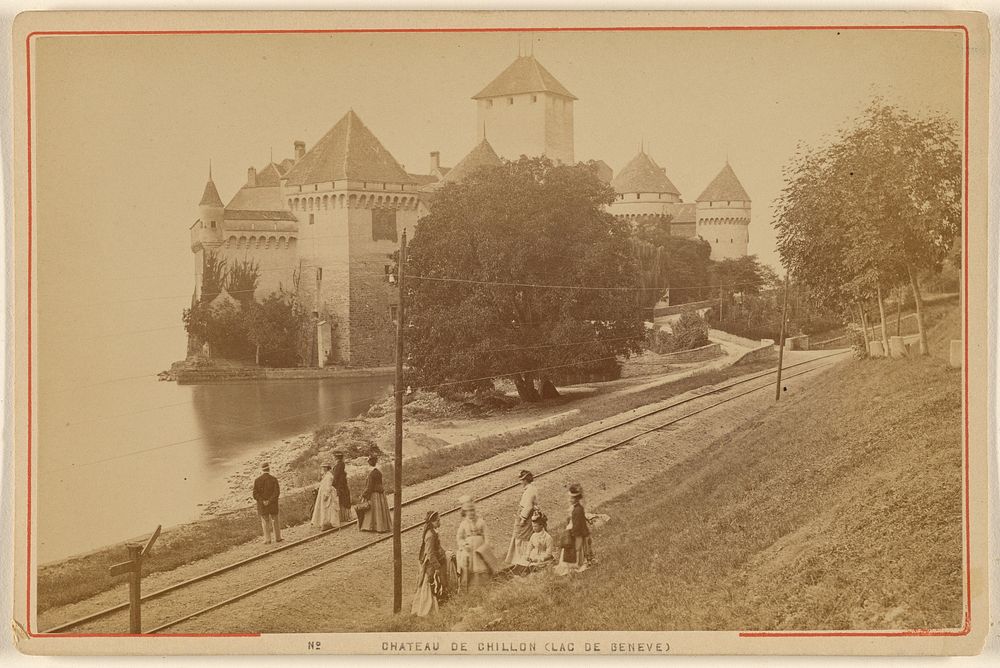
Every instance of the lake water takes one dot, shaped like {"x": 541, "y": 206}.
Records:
{"x": 116, "y": 459}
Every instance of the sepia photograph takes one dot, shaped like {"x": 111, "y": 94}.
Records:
{"x": 500, "y": 333}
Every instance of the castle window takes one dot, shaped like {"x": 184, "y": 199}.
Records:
{"x": 319, "y": 273}
{"x": 312, "y": 218}
{"x": 489, "y": 104}
{"x": 534, "y": 98}
{"x": 510, "y": 100}
{"x": 213, "y": 224}
{"x": 638, "y": 195}
{"x": 316, "y": 187}
{"x": 384, "y": 225}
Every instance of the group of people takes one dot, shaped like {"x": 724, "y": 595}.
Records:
{"x": 333, "y": 499}
{"x": 333, "y": 506}
{"x": 531, "y": 547}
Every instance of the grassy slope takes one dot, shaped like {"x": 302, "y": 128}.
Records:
{"x": 77, "y": 578}
{"x": 838, "y": 508}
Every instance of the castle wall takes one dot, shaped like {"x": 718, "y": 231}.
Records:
{"x": 725, "y": 226}
{"x": 375, "y": 232}
{"x": 559, "y": 128}
{"x": 529, "y": 124}
{"x": 323, "y": 264}
{"x": 275, "y": 251}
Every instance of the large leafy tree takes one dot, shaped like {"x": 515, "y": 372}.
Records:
{"x": 685, "y": 261}
{"x": 480, "y": 302}
{"x": 879, "y": 205}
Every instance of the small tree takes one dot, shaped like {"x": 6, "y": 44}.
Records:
{"x": 214, "y": 274}
{"x": 242, "y": 281}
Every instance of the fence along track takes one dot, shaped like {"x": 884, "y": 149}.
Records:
{"x": 229, "y": 567}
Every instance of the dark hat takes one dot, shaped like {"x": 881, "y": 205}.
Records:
{"x": 525, "y": 475}
{"x": 576, "y": 489}
{"x": 372, "y": 459}
{"x": 539, "y": 516}
{"x": 339, "y": 454}
{"x": 265, "y": 466}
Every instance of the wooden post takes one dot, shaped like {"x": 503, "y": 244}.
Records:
{"x": 397, "y": 473}
{"x": 134, "y": 589}
{"x": 781, "y": 342}
{"x": 134, "y": 569}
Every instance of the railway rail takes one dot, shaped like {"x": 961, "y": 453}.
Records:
{"x": 314, "y": 565}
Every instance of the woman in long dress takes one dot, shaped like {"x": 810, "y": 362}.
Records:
{"x": 578, "y": 553}
{"x": 517, "y": 552}
{"x": 323, "y": 511}
{"x": 376, "y": 518}
{"x": 342, "y": 488}
{"x": 476, "y": 561}
{"x": 432, "y": 582}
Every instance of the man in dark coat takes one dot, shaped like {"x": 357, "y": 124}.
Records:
{"x": 266, "y": 492}
{"x": 343, "y": 490}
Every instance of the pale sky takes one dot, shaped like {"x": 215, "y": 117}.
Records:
{"x": 126, "y": 126}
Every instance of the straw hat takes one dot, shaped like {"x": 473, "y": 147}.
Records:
{"x": 467, "y": 502}
{"x": 525, "y": 475}
{"x": 325, "y": 465}
{"x": 576, "y": 490}
{"x": 265, "y": 466}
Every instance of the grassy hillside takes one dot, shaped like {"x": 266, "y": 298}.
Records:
{"x": 838, "y": 508}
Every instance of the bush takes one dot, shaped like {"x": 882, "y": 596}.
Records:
{"x": 690, "y": 331}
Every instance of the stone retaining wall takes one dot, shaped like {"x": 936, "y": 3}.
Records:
{"x": 711, "y": 351}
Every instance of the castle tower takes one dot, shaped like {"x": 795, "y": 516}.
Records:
{"x": 526, "y": 111}
{"x": 723, "y": 215}
{"x": 352, "y": 200}
{"x": 206, "y": 232}
{"x": 645, "y": 192}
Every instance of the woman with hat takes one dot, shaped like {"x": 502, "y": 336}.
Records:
{"x": 578, "y": 536}
{"x": 432, "y": 583}
{"x": 376, "y": 517}
{"x": 476, "y": 561}
{"x": 342, "y": 488}
{"x": 322, "y": 517}
{"x": 517, "y": 553}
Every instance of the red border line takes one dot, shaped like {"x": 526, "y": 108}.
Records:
{"x": 967, "y": 625}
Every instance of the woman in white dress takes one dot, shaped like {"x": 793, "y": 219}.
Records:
{"x": 325, "y": 510}
{"x": 476, "y": 561}
{"x": 517, "y": 553}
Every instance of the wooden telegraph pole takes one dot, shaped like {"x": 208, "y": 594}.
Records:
{"x": 781, "y": 342}
{"x": 397, "y": 470}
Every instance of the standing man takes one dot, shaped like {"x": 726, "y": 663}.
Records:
{"x": 266, "y": 492}
{"x": 343, "y": 490}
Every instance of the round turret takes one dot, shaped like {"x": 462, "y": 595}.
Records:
{"x": 723, "y": 216}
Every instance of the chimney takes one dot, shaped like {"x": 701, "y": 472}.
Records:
{"x": 435, "y": 160}
{"x": 300, "y": 149}
{"x": 252, "y": 176}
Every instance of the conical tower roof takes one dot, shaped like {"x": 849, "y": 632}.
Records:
{"x": 724, "y": 187}
{"x": 211, "y": 195}
{"x": 482, "y": 155}
{"x": 348, "y": 151}
{"x": 643, "y": 175}
{"x": 524, "y": 75}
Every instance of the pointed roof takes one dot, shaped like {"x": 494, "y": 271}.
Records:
{"x": 482, "y": 155}
{"x": 348, "y": 151}
{"x": 270, "y": 175}
{"x": 524, "y": 75}
{"x": 211, "y": 195}
{"x": 643, "y": 175}
{"x": 724, "y": 187}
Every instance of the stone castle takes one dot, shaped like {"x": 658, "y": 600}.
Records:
{"x": 324, "y": 222}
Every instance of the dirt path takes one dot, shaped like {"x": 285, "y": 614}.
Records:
{"x": 332, "y": 597}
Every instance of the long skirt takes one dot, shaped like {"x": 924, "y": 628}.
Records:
{"x": 376, "y": 518}
{"x": 323, "y": 511}
{"x": 476, "y": 562}
{"x": 344, "y": 514}
{"x": 424, "y": 600}
{"x": 517, "y": 552}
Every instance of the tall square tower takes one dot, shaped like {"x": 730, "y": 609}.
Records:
{"x": 526, "y": 111}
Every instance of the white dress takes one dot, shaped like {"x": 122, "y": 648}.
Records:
{"x": 517, "y": 553}
{"x": 325, "y": 511}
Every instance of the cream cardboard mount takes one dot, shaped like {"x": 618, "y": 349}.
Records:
{"x": 230, "y": 165}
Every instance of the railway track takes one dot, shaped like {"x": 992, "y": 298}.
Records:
{"x": 310, "y": 553}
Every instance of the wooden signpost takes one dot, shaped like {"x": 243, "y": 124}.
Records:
{"x": 134, "y": 569}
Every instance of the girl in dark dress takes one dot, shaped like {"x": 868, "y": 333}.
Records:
{"x": 432, "y": 583}
{"x": 376, "y": 517}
